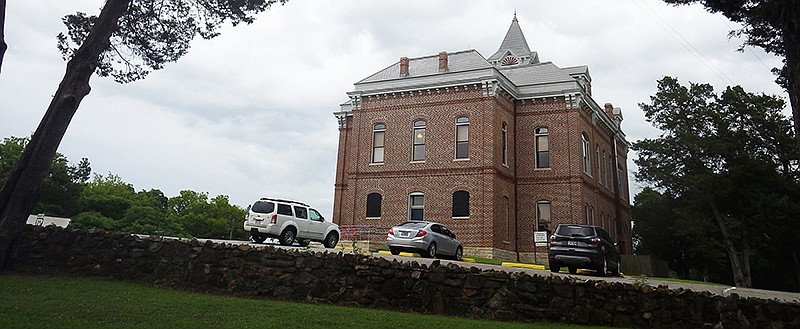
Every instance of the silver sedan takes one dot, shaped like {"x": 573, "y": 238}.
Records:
{"x": 429, "y": 239}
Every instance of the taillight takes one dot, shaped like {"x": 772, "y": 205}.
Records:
{"x": 391, "y": 231}
{"x": 274, "y": 219}
{"x": 421, "y": 233}
{"x": 594, "y": 241}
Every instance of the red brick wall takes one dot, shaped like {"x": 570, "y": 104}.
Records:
{"x": 484, "y": 176}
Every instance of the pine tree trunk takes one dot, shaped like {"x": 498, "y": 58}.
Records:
{"x": 739, "y": 266}
{"x": 3, "y": 45}
{"x": 19, "y": 193}
{"x": 791, "y": 44}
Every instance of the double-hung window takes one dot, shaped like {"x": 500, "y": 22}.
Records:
{"x": 418, "y": 148}
{"x": 462, "y": 138}
{"x": 542, "y": 136}
{"x": 416, "y": 206}
{"x": 378, "y": 134}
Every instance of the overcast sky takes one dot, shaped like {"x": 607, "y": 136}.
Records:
{"x": 249, "y": 113}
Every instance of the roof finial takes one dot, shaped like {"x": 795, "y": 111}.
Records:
{"x": 515, "y": 14}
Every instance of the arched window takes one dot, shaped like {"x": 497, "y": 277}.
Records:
{"x": 418, "y": 148}
{"x": 374, "y": 205}
{"x": 587, "y": 164}
{"x": 460, "y": 204}
{"x": 416, "y": 206}
{"x": 542, "y": 136}
{"x": 378, "y": 132}
{"x": 542, "y": 215}
{"x": 505, "y": 143}
{"x": 462, "y": 138}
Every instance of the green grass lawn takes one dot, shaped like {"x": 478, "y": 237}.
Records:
{"x": 70, "y": 302}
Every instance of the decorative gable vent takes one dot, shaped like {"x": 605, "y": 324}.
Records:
{"x": 509, "y": 60}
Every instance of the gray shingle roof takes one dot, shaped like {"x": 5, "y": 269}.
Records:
{"x": 582, "y": 69}
{"x": 514, "y": 41}
{"x": 530, "y": 78}
{"x": 429, "y": 65}
{"x": 536, "y": 74}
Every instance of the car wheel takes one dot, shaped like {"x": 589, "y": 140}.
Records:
{"x": 287, "y": 236}
{"x": 331, "y": 240}
{"x": 615, "y": 271}
{"x": 603, "y": 269}
{"x": 303, "y": 242}
{"x": 554, "y": 267}
{"x": 258, "y": 238}
{"x": 459, "y": 253}
{"x": 394, "y": 251}
{"x": 573, "y": 270}
{"x": 431, "y": 252}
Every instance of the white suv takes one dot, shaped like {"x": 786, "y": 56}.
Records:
{"x": 289, "y": 221}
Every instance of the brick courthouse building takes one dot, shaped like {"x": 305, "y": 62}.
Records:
{"x": 495, "y": 149}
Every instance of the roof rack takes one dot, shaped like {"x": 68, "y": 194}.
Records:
{"x": 285, "y": 201}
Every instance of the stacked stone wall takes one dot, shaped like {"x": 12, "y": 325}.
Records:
{"x": 349, "y": 279}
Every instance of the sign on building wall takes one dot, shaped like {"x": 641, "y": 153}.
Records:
{"x": 540, "y": 238}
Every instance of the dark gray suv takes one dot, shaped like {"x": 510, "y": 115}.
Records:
{"x": 583, "y": 246}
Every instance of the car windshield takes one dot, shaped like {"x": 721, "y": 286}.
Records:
{"x": 263, "y": 207}
{"x": 576, "y": 231}
{"x": 413, "y": 224}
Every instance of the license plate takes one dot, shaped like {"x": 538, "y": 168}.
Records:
{"x": 404, "y": 234}
{"x": 572, "y": 243}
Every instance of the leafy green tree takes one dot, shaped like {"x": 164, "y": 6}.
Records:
{"x": 108, "y": 195}
{"x": 93, "y": 220}
{"x": 231, "y": 215}
{"x": 670, "y": 231}
{"x": 122, "y": 41}
{"x": 773, "y": 26}
{"x": 82, "y": 172}
{"x": 153, "y": 198}
{"x": 60, "y": 190}
{"x": 729, "y": 158}
{"x": 148, "y": 220}
{"x": 204, "y": 218}
{"x": 10, "y": 152}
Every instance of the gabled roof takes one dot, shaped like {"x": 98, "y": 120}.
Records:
{"x": 528, "y": 78}
{"x": 536, "y": 74}
{"x": 514, "y": 41}
{"x": 465, "y": 60}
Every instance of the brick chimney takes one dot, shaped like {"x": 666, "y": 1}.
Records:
{"x": 442, "y": 61}
{"x": 403, "y": 66}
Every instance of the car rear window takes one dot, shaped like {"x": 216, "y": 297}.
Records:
{"x": 263, "y": 207}
{"x": 414, "y": 224}
{"x": 576, "y": 231}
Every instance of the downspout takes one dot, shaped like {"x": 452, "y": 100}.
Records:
{"x": 516, "y": 196}
{"x": 344, "y": 170}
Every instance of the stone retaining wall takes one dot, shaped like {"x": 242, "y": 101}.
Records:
{"x": 345, "y": 278}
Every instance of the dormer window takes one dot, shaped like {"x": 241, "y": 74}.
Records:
{"x": 509, "y": 60}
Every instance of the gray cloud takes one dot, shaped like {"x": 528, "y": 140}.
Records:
{"x": 248, "y": 114}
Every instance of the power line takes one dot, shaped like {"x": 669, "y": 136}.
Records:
{"x": 750, "y": 48}
{"x": 663, "y": 24}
